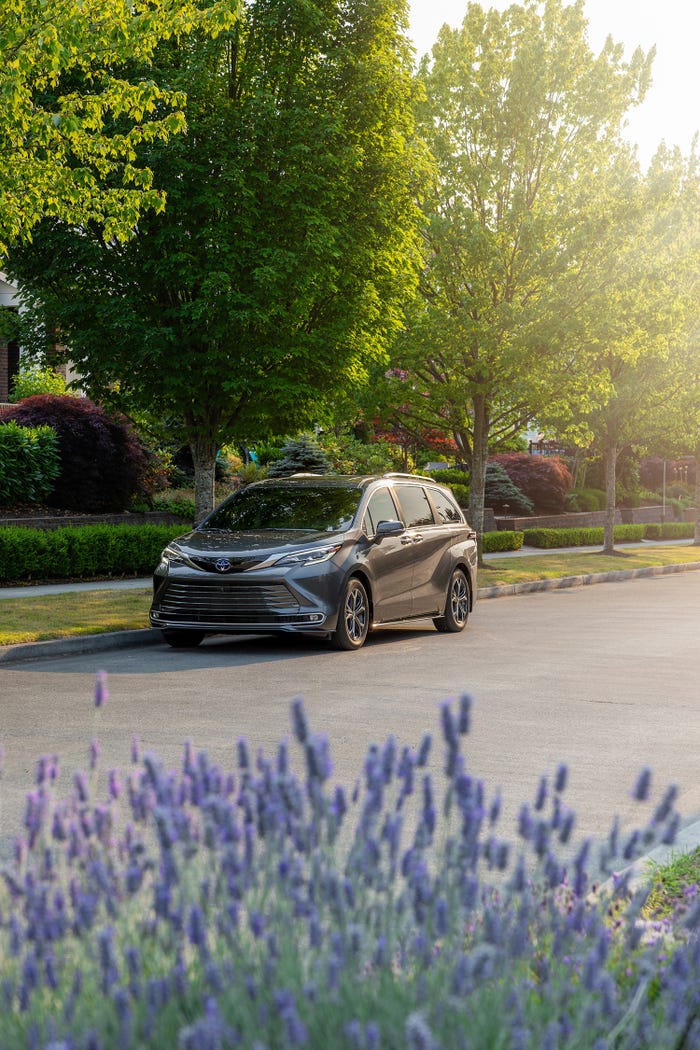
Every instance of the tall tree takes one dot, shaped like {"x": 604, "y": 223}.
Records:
{"x": 639, "y": 323}
{"x": 60, "y": 96}
{"x": 523, "y": 121}
{"x": 278, "y": 270}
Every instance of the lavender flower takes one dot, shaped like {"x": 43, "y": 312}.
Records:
{"x": 101, "y": 693}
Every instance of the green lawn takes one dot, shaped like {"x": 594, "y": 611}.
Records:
{"x": 36, "y": 618}
{"x": 551, "y": 566}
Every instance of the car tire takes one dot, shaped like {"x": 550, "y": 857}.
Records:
{"x": 456, "y": 612}
{"x": 353, "y": 616}
{"x": 182, "y": 639}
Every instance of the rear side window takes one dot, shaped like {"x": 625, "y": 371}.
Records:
{"x": 380, "y": 508}
{"x": 415, "y": 506}
{"x": 446, "y": 508}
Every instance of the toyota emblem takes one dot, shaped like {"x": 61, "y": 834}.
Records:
{"x": 222, "y": 565}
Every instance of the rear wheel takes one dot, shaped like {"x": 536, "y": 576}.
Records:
{"x": 353, "y": 617}
{"x": 182, "y": 639}
{"x": 456, "y": 605}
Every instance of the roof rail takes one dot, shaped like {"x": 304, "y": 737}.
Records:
{"x": 413, "y": 477}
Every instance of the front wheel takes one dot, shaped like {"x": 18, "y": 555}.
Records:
{"x": 182, "y": 639}
{"x": 353, "y": 617}
{"x": 456, "y": 605}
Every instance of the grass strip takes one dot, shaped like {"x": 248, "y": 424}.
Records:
{"x": 39, "y": 618}
{"x": 527, "y": 567}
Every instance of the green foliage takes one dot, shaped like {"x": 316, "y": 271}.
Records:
{"x": 502, "y": 494}
{"x": 29, "y": 463}
{"x": 502, "y": 540}
{"x": 529, "y": 161}
{"x": 450, "y": 476}
{"x": 184, "y": 508}
{"x": 461, "y": 494}
{"x": 549, "y": 538}
{"x": 36, "y": 380}
{"x": 290, "y": 241}
{"x": 61, "y": 93}
{"x": 580, "y": 500}
{"x": 83, "y": 551}
{"x": 347, "y": 455}
{"x": 300, "y": 455}
{"x": 669, "y": 530}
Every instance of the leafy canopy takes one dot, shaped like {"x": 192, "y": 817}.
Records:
{"x": 70, "y": 123}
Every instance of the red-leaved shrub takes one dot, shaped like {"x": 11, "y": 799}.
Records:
{"x": 546, "y": 480}
{"x": 103, "y": 464}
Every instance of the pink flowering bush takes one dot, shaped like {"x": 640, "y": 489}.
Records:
{"x": 258, "y": 907}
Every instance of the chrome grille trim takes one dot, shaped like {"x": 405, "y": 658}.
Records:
{"x": 228, "y": 602}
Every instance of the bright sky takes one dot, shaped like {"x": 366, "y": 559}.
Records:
{"x": 671, "y": 110}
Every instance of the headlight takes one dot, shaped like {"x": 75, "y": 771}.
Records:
{"x": 311, "y": 557}
{"x": 172, "y": 555}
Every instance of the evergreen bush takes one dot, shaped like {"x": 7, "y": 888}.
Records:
{"x": 300, "y": 455}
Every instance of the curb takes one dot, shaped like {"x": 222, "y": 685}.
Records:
{"x": 95, "y": 643}
{"x": 77, "y": 645}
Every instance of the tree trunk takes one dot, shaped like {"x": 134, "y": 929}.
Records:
{"x": 204, "y": 458}
{"x": 477, "y": 480}
{"x": 610, "y": 458}
{"x": 696, "y": 539}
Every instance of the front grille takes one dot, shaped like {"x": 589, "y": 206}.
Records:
{"x": 227, "y": 602}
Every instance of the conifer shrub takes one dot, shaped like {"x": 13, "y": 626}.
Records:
{"x": 103, "y": 464}
{"x": 545, "y": 480}
{"x": 300, "y": 455}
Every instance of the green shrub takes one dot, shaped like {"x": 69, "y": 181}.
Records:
{"x": 550, "y": 538}
{"x": 82, "y": 551}
{"x": 183, "y": 508}
{"x": 461, "y": 494}
{"x": 29, "y": 463}
{"x": 300, "y": 455}
{"x": 581, "y": 500}
{"x": 670, "y": 530}
{"x": 450, "y": 476}
{"x": 35, "y": 380}
{"x": 503, "y": 540}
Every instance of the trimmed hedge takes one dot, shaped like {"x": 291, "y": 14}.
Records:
{"x": 503, "y": 540}
{"x": 549, "y": 538}
{"x": 82, "y": 551}
{"x": 29, "y": 463}
{"x": 670, "y": 530}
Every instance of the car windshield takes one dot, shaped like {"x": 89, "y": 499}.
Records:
{"x": 312, "y": 508}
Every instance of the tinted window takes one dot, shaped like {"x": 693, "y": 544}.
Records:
{"x": 307, "y": 507}
{"x": 414, "y": 505}
{"x": 447, "y": 509}
{"x": 380, "y": 508}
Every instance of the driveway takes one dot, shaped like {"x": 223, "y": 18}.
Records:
{"x": 606, "y": 678}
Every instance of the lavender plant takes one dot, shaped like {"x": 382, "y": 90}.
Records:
{"x": 262, "y": 908}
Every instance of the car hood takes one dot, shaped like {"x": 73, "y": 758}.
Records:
{"x": 247, "y": 549}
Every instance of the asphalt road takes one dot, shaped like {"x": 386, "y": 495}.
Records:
{"x": 605, "y": 678}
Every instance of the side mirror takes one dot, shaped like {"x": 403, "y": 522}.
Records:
{"x": 389, "y": 528}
